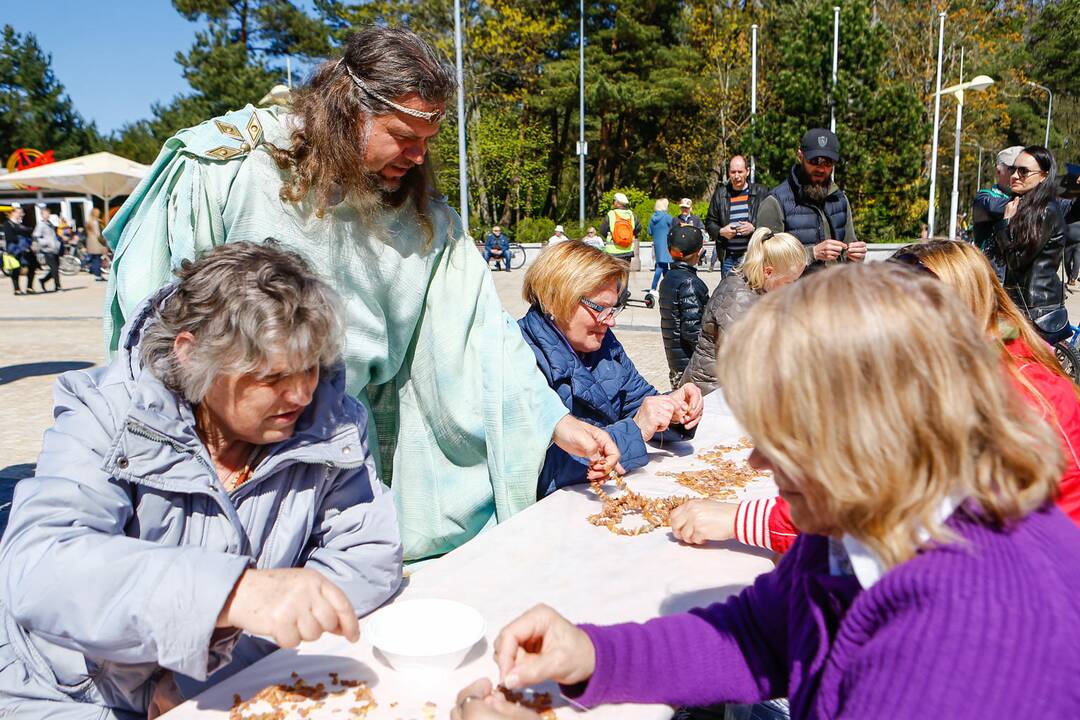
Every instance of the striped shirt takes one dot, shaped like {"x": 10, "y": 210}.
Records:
{"x": 740, "y": 205}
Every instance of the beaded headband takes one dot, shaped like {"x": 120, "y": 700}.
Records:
{"x": 432, "y": 116}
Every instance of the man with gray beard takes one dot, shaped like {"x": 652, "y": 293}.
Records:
{"x": 811, "y": 206}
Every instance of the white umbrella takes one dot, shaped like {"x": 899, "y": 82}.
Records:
{"x": 102, "y": 174}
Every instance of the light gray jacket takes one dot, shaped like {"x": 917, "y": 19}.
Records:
{"x": 121, "y": 551}
{"x": 729, "y": 302}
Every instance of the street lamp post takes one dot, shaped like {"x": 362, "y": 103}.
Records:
{"x": 753, "y": 87}
{"x": 835, "y": 64}
{"x": 582, "y": 148}
{"x": 937, "y": 123}
{"x": 463, "y": 168}
{"x": 1049, "y": 110}
{"x": 979, "y": 82}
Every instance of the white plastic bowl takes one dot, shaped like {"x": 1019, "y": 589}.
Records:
{"x": 425, "y": 634}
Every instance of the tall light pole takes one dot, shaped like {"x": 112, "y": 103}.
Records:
{"x": 978, "y": 180}
{"x": 753, "y": 87}
{"x": 937, "y": 122}
{"x": 463, "y": 168}
{"x": 835, "y": 64}
{"x": 1049, "y": 110}
{"x": 979, "y": 82}
{"x": 582, "y": 147}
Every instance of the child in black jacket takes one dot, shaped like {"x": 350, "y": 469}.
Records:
{"x": 683, "y": 296}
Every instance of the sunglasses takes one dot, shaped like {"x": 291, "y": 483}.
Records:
{"x": 604, "y": 312}
{"x": 912, "y": 261}
{"x": 1022, "y": 172}
{"x": 822, "y": 162}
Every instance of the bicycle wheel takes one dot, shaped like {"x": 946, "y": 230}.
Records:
{"x": 517, "y": 256}
{"x": 1069, "y": 358}
{"x": 70, "y": 265}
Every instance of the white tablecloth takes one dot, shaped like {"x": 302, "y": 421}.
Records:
{"x": 549, "y": 553}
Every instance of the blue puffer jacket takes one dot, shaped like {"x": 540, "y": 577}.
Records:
{"x": 602, "y": 388}
{"x": 121, "y": 551}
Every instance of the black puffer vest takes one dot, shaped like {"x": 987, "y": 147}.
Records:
{"x": 807, "y": 220}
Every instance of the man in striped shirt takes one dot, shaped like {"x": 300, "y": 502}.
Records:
{"x": 732, "y": 215}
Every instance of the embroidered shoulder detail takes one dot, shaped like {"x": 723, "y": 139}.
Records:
{"x": 227, "y": 153}
{"x": 254, "y": 128}
{"x": 228, "y": 129}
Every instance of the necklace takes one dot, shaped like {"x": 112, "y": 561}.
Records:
{"x": 241, "y": 475}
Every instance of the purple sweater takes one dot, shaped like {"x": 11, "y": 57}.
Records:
{"x": 985, "y": 629}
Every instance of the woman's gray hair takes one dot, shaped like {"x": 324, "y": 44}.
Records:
{"x": 246, "y": 304}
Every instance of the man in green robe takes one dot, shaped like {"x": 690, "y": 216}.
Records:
{"x": 462, "y": 414}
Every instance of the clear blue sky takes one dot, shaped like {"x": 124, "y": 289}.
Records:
{"x": 114, "y": 57}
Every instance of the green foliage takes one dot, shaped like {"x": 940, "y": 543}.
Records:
{"x": 880, "y": 124}
{"x": 34, "y": 109}
{"x": 532, "y": 230}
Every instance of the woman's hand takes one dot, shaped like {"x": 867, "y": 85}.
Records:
{"x": 1011, "y": 206}
{"x": 289, "y": 605}
{"x": 655, "y": 415}
{"x": 699, "y": 521}
{"x": 543, "y": 645}
{"x": 479, "y": 702}
{"x": 689, "y": 397}
{"x": 583, "y": 440}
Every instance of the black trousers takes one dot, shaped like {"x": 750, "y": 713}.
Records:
{"x": 52, "y": 260}
{"x": 29, "y": 263}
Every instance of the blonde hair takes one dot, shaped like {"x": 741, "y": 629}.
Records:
{"x": 963, "y": 267}
{"x": 562, "y": 274}
{"x": 883, "y": 411}
{"x": 661, "y": 205}
{"x": 782, "y": 251}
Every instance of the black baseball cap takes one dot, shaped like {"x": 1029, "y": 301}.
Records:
{"x": 820, "y": 142}
{"x": 686, "y": 239}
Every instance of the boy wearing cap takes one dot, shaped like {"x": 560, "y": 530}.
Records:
{"x": 620, "y": 229}
{"x": 683, "y": 296}
{"x": 810, "y": 206}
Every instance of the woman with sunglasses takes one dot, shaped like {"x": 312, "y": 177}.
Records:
{"x": 575, "y": 292}
{"x": 1030, "y": 242}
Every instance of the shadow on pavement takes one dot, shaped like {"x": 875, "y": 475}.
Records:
{"x": 11, "y": 373}
{"x": 9, "y": 476}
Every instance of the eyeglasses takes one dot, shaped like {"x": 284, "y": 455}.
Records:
{"x": 1022, "y": 172}
{"x": 912, "y": 261}
{"x": 603, "y": 313}
{"x": 822, "y": 162}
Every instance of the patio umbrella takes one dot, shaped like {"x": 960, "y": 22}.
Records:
{"x": 102, "y": 174}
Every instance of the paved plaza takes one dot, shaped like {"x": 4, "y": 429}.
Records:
{"x": 47, "y": 334}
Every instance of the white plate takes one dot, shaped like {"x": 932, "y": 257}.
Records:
{"x": 430, "y": 634}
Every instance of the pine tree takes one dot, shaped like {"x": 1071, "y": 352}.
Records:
{"x": 34, "y": 109}
{"x": 879, "y": 121}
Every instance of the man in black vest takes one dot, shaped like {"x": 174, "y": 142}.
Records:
{"x": 810, "y": 206}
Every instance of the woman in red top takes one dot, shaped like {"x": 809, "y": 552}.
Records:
{"x": 1031, "y": 367}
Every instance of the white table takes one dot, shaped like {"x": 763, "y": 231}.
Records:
{"x": 549, "y": 553}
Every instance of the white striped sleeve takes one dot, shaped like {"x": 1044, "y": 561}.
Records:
{"x": 752, "y": 522}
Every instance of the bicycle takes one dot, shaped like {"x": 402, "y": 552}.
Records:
{"x": 1067, "y": 354}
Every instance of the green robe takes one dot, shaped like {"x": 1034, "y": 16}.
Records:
{"x": 457, "y": 399}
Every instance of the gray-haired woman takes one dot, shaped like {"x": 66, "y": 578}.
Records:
{"x": 212, "y": 484}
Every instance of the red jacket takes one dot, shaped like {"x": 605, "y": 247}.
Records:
{"x": 767, "y": 523}
{"x": 1060, "y": 394}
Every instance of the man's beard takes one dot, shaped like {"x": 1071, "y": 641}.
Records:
{"x": 817, "y": 193}
{"x": 378, "y": 192}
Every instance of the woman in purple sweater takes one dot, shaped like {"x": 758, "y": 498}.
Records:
{"x": 935, "y": 577}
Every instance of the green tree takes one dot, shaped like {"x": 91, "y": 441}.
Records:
{"x": 34, "y": 109}
{"x": 235, "y": 60}
{"x": 879, "y": 122}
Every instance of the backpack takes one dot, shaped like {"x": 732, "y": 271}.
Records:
{"x": 622, "y": 232}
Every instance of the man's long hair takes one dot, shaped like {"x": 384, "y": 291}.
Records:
{"x": 334, "y": 120}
